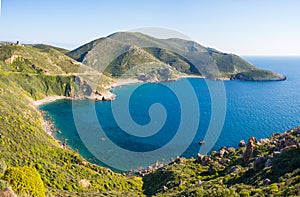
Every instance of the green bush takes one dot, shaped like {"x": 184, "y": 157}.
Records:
{"x": 2, "y": 166}
{"x": 3, "y": 184}
{"x": 25, "y": 181}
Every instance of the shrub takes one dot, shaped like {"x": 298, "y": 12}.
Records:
{"x": 3, "y": 184}
{"x": 2, "y": 166}
{"x": 25, "y": 181}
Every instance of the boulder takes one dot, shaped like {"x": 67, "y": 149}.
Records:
{"x": 84, "y": 183}
{"x": 222, "y": 152}
{"x": 204, "y": 159}
{"x": 224, "y": 161}
{"x": 165, "y": 188}
{"x": 164, "y": 71}
{"x": 234, "y": 169}
{"x": 264, "y": 141}
{"x": 268, "y": 163}
{"x": 267, "y": 181}
{"x": 288, "y": 148}
{"x": 242, "y": 143}
{"x": 290, "y": 142}
{"x": 231, "y": 150}
{"x": 211, "y": 170}
{"x": 259, "y": 162}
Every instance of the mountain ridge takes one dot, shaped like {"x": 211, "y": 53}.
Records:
{"x": 207, "y": 62}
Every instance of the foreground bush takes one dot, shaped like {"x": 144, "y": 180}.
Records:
{"x": 25, "y": 181}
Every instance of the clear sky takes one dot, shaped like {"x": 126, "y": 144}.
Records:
{"x": 245, "y": 27}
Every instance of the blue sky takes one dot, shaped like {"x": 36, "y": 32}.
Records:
{"x": 257, "y": 27}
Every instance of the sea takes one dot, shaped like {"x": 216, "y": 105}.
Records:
{"x": 153, "y": 123}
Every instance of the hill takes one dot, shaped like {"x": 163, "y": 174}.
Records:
{"x": 25, "y": 147}
{"x": 44, "y": 61}
{"x": 185, "y": 57}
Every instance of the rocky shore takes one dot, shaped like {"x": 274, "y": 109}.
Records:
{"x": 277, "y": 144}
{"x": 253, "y": 155}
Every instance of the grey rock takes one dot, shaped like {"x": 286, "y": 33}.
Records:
{"x": 268, "y": 163}
{"x": 242, "y": 143}
{"x": 259, "y": 162}
{"x": 267, "y": 181}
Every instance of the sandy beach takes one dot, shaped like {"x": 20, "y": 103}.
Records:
{"x": 121, "y": 82}
{"x": 192, "y": 76}
{"x": 48, "y": 99}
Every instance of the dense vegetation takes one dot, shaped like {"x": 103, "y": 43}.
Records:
{"x": 26, "y": 181}
{"x": 23, "y": 141}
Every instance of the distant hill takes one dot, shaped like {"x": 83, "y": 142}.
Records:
{"x": 46, "y": 64}
{"x": 120, "y": 52}
{"x": 46, "y": 47}
{"x": 38, "y": 59}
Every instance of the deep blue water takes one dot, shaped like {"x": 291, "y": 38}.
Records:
{"x": 252, "y": 109}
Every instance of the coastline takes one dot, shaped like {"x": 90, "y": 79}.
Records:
{"x": 191, "y": 76}
{"x": 49, "y": 126}
{"x": 119, "y": 82}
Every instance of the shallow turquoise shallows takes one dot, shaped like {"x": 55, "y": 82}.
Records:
{"x": 252, "y": 109}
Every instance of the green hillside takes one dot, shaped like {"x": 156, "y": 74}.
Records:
{"x": 37, "y": 59}
{"x": 187, "y": 57}
{"x": 23, "y": 141}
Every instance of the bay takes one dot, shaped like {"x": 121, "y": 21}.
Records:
{"x": 252, "y": 109}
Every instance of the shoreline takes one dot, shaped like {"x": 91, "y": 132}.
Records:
{"x": 133, "y": 81}
{"x": 49, "y": 126}
{"x": 129, "y": 81}
{"x": 48, "y": 99}
{"x": 50, "y": 129}
{"x": 192, "y": 76}
{"x": 119, "y": 83}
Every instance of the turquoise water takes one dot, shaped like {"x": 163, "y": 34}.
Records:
{"x": 252, "y": 109}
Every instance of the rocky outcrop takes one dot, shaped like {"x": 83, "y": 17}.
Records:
{"x": 13, "y": 58}
{"x": 249, "y": 149}
{"x": 101, "y": 96}
{"x": 8, "y": 192}
{"x": 242, "y": 143}
{"x": 157, "y": 75}
{"x": 84, "y": 183}
{"x": 258, "y": 75}
{"x": 259, "y": 162}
